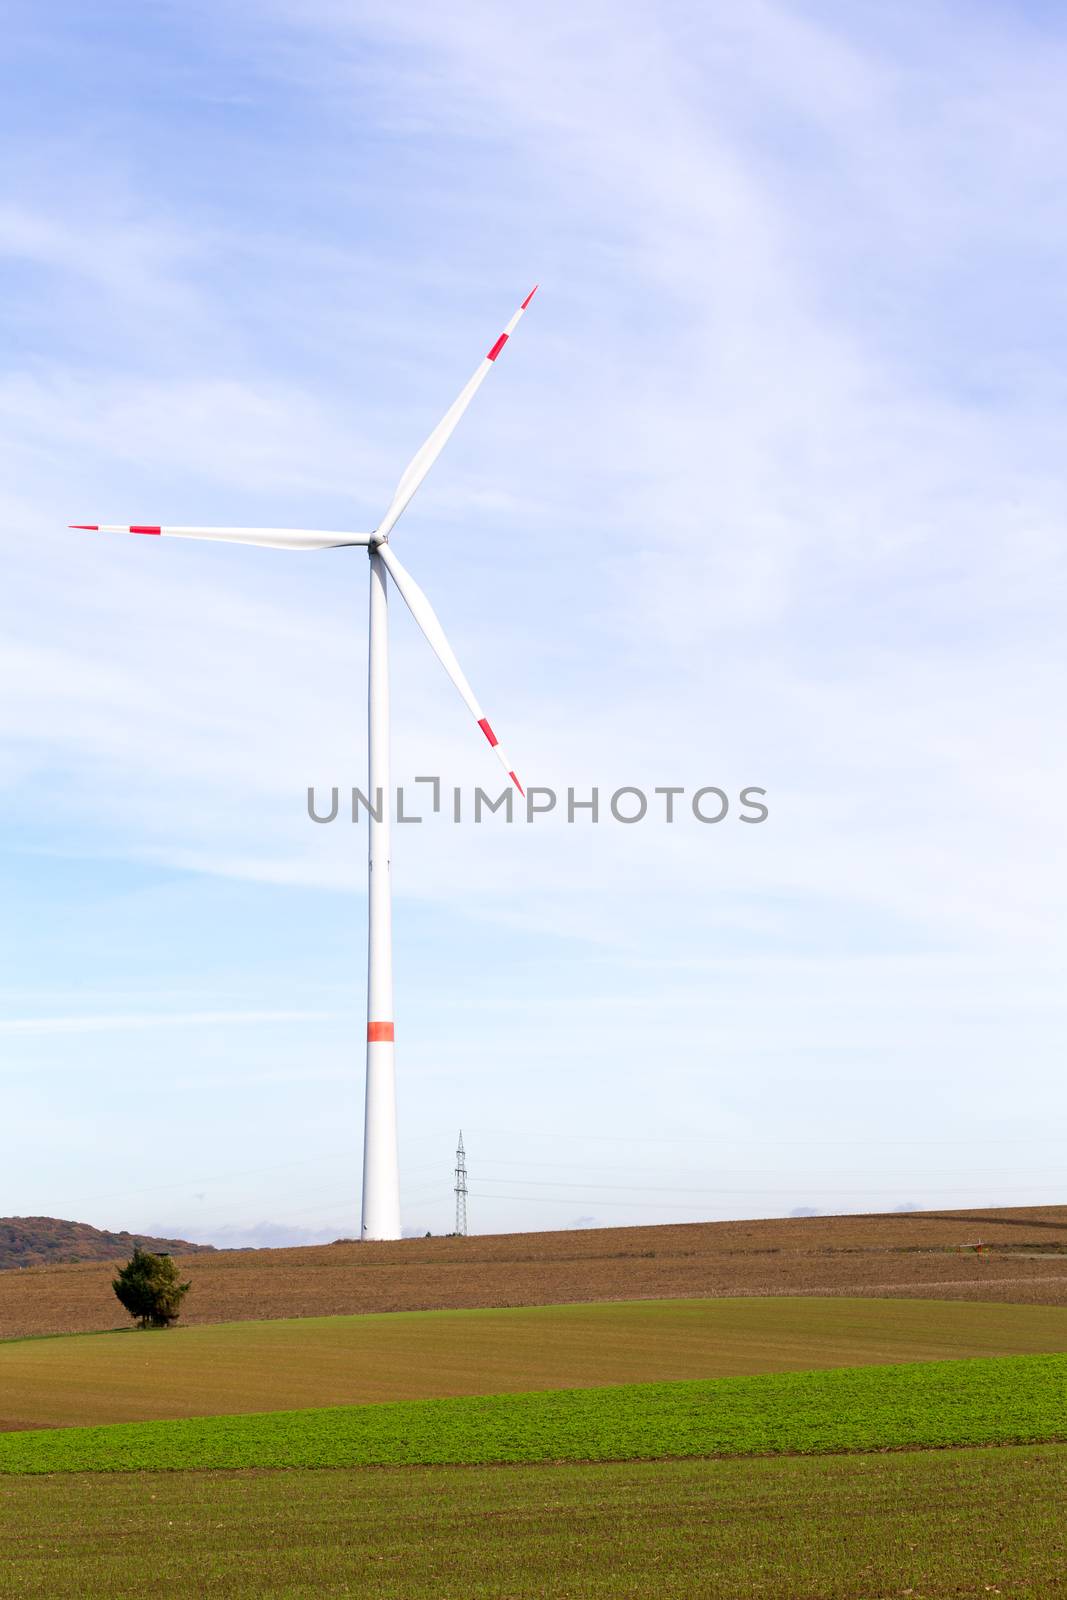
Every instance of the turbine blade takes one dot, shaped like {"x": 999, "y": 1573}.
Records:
{"x": 426, "y": 617}
{"x": 427, "y": 454}
{"x": 273, "y": 538}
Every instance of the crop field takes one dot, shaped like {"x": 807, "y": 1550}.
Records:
{"x": 932, "y": 1404}
{"x": 272, "y": 1366}
{"x": 925, "y": 1254}
{"x": 964, "y": 1524}
{"x": 559, "y": 1427}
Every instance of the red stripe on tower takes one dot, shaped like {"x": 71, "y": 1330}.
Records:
{"x": 487, "y": 730}
{"x": 495, "y": 351}
{"x": 379, "y": 1033}
{"x": 140, "y": 527}
{"x": 517, "y": 784}
{"x": 530, "y": 296}
{"x": 90, "y": 527}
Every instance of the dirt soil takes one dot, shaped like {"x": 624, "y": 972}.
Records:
{"x": 1023, "y": 1258}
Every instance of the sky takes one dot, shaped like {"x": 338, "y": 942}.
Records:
{"x": 767, "y": 490}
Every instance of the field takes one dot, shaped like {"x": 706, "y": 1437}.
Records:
{"x": 913, "y": 1254}
{"x": 931, "y": 1404}
{"x": 932, "y": 1525}
{"x": 781, "y": 1410}
{"x": 324, "y": 1361}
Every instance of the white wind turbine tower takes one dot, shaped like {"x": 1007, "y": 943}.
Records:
{"x": 381, "y": 1177}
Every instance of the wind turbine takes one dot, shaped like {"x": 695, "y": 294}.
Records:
{"x": 381, "y": 1176}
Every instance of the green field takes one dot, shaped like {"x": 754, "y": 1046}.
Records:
{"x": 932, "y": 1525}
{"x": 327, "y": 1361}
{"x": 597, "y": 1465}
{"x": 1008, "y": 1399}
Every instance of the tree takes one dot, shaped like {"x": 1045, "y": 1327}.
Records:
{"x": 149, "y": 1289}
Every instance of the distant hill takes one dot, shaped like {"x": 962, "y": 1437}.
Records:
{"x": 47, "y": 1241}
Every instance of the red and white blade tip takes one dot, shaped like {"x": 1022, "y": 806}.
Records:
{"x": 492, "y": 354}
{"x": 105, "y": 527}
{"x": 484, "y": 724}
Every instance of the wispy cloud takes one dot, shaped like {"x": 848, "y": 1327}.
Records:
{"x": 176, "y": 1019}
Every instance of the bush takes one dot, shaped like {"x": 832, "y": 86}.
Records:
{"x": 149, "y": 1289}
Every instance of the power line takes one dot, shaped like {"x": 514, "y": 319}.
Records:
{"x": 722, "y": 1142}
{"x": 595, "y": 1198}
{"x": 670, "y": 1188}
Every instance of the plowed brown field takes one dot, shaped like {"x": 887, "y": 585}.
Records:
{"x": 918, "y": 1253}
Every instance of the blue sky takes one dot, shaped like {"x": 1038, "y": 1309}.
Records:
{"x": 768, "y": 489}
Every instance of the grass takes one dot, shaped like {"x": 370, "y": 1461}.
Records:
{"x": 1013, "y": 1399}
{"x": 324, "y": 1361}
{"x": 928, "y": 1525}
